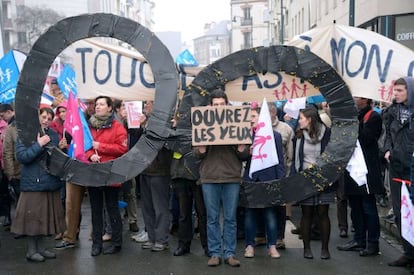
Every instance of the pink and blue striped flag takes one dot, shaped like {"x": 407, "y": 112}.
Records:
{"x": 74, "y": 126}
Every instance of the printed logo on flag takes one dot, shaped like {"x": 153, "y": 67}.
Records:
{"x": 67, "y": 82}
{"x": 9, "y": 75}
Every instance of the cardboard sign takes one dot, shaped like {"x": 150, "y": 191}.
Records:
{"x": 134, "y": 113}
{"x": 221, "y": 125}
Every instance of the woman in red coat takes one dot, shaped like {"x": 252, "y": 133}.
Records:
{"x": 109, "y": 142}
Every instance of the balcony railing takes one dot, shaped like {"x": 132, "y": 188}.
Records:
{"x": 246, "y": 21}
{"x": 7, "y": 24}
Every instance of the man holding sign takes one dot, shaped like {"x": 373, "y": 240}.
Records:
{"x": 220, "y": 175}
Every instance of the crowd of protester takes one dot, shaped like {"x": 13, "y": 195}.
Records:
{"x": 207, "y": 179}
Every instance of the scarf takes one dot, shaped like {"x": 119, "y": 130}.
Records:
{"x": 98, "y": 122}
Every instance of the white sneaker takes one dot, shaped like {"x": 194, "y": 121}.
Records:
{"x": 141, "y": 237}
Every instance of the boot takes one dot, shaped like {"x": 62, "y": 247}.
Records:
{"x": 42, "y": 250}
{"x": 182, "y": 249}
{"x": 32, "y": 254}
{"x": 371, "y": 250}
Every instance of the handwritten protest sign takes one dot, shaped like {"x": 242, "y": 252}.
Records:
{"x": 221, "y": 125}
{"x": 134, "y": 113}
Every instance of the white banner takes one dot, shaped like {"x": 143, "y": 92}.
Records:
{"x": 105, "y": 69}
{"x": 367, "y": 61}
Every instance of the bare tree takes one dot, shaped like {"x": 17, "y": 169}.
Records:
{"x": 33, "y": 21}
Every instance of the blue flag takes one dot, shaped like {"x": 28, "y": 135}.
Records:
{"x": 67, "y": 82}
{"x": 9, "y": 75}
{"x": 186, "y": 58}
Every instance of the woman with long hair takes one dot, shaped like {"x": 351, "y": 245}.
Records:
{"x": 311, "y": 140}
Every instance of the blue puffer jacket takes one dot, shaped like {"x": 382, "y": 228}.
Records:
{"x": 34, "y": 158}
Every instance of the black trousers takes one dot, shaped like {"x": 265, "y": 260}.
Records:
{"x": 97, "y": 196}
{"x": 342, "y": 205}
{"x": 280, "y": 211}
{"x": 5, "y": 200}
{"x": 189, "y": 194}
{"x": 364, "y": 215}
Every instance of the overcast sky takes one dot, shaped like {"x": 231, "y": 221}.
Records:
{"x": 189, "y": 16}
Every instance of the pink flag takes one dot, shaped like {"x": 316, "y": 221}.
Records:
{"x": 73, "y": 126}
{"x": 264, "y": 153}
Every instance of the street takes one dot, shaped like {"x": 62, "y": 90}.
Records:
{"x": 134, "y": 260}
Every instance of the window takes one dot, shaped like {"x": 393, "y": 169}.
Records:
{"x": 6, "y": 41}
{"x": 319, "y": 9}
{"x": 246, "y": 13}
{"x": 21, "y": 37}
{"x": 247, "y": 36}
{"x": 302, "y": 27}
{"x": 287, "y": 17}
{"x": 215, "y": 51}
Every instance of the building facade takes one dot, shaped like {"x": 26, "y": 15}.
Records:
{"x": 249, "y": 24}
{"x": 392, "y": 19}
{"x": 137, "y": 10}
{"x": 7, "y": 26}
{"x": 214, "y": 44}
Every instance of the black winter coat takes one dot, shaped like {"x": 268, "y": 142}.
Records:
{"x": 369, "y": 132}
{"x": 399, "y": 141}
{"x": 186, "y": 167}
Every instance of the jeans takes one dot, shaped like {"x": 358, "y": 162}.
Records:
{"x": 270, "y": 222}
{"x": 225, "y": 195}
{"x": 365, "y": 219}
{"x": 97, "y": 196}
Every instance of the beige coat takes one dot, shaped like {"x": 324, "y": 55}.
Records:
{"x": 287, "y": 139}
{"x": 11, "y": 165}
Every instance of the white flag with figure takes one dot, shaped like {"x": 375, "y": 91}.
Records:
{"x": 407, "y": 215}
{"x": 264, "y": 154}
